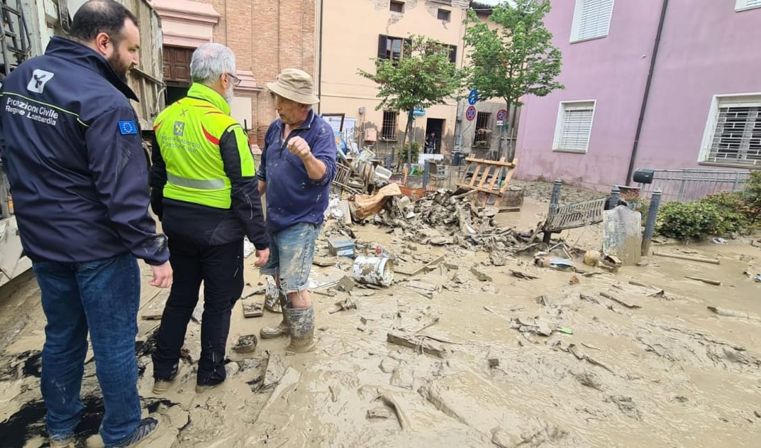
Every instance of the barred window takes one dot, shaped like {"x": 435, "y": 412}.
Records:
{"x": 388, "y": 131}
{"x": 735, "y": 132}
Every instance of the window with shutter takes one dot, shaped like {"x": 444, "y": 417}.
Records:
{"x": 574, "y": 126}
{"x": 591, "y": 19}
{"x": 734, "y": 131}
{"x": 742, "y": 5}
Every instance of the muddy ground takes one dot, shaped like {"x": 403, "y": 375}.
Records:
{"x": 502, "y": 361}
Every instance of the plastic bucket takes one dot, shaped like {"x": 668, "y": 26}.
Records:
{"x": 373, "y": 270}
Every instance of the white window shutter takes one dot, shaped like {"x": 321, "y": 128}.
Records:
{"x": 574, "y": 126}
{"x": 592, "y": 18}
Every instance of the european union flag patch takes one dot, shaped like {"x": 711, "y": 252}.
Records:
{"x": 128, "y": 127}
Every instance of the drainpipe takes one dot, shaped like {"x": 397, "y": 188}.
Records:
{"x": 319, "y": 60}
{"x": 646, "y": 95}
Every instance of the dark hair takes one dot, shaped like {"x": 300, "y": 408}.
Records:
{"x": 100, "y": 16}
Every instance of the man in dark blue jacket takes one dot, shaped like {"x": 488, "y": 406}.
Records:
{"x": 78, "y": 174}
{"x": 298, "y": 164}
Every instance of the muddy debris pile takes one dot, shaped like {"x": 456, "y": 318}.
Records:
{"x": 445, "y": 218}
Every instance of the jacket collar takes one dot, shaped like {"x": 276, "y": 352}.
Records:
{"x": 86, "y": 57}
{"x": 202, "y": 92}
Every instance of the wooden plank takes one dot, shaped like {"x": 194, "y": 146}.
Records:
{"x": 475, "y": 175}
{"x": 418, "y": 343}
{"x": 485, "y": 175}
{"x": 492, "y": 162}
{"x": 705, "y": 280}
{"x": 508, "y": 178}
{"x": 496, "y": 177}
{"x": 631, "y": 306}
{"x": 688, "y": 258}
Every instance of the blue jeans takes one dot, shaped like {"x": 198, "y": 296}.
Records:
{"x": 102, "y": 296}
{"x": 291, "y": 255}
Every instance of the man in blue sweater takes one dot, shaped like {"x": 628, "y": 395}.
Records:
{"x": 298, "y": 164}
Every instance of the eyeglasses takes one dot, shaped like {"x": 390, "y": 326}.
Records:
{"x": 236, "y": 81}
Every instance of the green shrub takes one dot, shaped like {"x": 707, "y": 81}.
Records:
{"x": 734, "y": 212}
{"x": 688, "y": 221}
{"x": 752, "y": 196}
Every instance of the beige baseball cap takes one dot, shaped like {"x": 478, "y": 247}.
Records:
{"x": 295, "y": 85}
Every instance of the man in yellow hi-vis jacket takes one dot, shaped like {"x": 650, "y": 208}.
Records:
{"x": 205, "y": 193}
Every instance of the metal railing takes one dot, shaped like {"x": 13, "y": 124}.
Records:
{"x": 692, "y": 184}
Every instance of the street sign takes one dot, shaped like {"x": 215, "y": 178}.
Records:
{"x": 473, "y": 97}
{"x": 470, "y": 114}
{"x": 501, "y": 115}
{"x": 418, "y": 112}
{"x": 500, "y": 123}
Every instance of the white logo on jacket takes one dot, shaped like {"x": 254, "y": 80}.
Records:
{"x": 38, "y": 81}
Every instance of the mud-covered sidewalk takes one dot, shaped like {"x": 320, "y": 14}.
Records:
{"x": 493, "y": 356}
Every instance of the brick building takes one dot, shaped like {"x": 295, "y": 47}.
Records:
{"x": 266, "y": 36}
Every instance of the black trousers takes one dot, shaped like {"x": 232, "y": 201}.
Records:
{"x": 221, "y": 270}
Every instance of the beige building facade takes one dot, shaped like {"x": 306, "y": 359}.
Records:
{"x": 355, "y": 32}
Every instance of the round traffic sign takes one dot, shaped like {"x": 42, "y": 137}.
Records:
{"x": 501, "y": 115}
{"x": 470, "y": 114}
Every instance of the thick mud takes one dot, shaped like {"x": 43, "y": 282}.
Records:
{"x": 569, "y": 359}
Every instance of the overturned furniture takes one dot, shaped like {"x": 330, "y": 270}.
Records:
{"x": 571, "y": 216}
{"x": 489, "y": 178}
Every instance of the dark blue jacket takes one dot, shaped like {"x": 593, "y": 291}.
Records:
{"x": 292, "y": 197}
{"x": 73, "y": 153}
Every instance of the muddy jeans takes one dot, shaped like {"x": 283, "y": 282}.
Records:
{"x": 221, "y": 270}
{"x": 102, "y": 296}
{"x": 291, "y": 255}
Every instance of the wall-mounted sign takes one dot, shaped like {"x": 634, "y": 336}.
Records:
{"x": 473, "y": 97}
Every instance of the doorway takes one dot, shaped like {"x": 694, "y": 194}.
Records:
{"x": 433, "y": 143}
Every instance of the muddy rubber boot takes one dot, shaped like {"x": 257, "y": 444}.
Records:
{"x": 302, "y": 329}
{"x": 282, "y": 329}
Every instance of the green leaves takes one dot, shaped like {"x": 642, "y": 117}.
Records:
{"x": 422, "y": 77}
{"x": 517, "y": 58}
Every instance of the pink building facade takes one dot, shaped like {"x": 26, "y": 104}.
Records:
{"x": 702, "y": 104}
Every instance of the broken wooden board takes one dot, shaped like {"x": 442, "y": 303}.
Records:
{"x": 705, "y": 280}
{"x": 417, "y": 269}
{"x": 490, "y": 178}
{"x": 421, "y": 344}
{"x": 688, "y": 258}
{"x": 609, "y": 296}
{"x": 733, "y": 313}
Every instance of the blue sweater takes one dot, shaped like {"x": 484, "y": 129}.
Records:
{"x": 292, "y": 197}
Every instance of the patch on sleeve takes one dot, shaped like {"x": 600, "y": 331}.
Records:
{"x": 128, "y": 127}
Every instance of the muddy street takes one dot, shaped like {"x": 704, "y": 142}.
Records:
{"x": 462, "y": 350}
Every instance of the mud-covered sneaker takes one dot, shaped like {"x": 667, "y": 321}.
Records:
{"x": 144, "y": 430}
{"x": 201, "y": 388}
{"x": 62, "y": 442}
{"x": 161, "y": 385}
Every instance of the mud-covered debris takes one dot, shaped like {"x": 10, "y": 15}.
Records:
{"x": 388, "y": 364}
{"x": 481, "y": 275}
{"x": 625, "y": 405}
{"x": 380, "y": 412}
{"x": 420, "y": 344}
{"x": 252, "y": 310}
{"x": 345, "y": 284}
{"x": 246, "y": 344}
{"x": 344, "y": 305}
{"x": 497, "y": 258}
{"x": 522, "y": 275}
{"x": 536, "y": 326}
{"x": 493, "y": 363}
{"x": 588, "y": 379}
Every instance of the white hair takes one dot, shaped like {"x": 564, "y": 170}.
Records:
{"x": 210, "y": 61}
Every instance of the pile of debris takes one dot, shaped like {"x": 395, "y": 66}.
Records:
{"x": 447, "y": 218}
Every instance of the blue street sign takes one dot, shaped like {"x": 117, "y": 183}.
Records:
{"x": 473, "y": 97}
{"x": 418, "y": 112}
